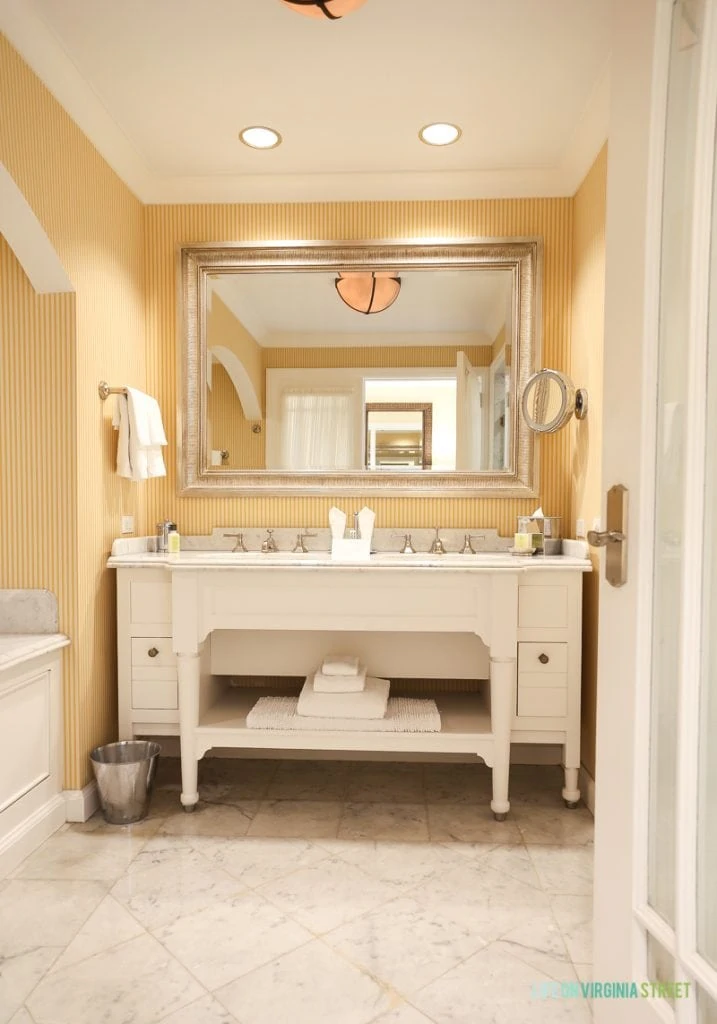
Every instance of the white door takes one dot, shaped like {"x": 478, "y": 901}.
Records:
{"x": 471, "y": 433}
{"x": 656, "y": 786}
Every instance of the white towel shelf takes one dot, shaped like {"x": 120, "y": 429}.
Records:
{"x": 465, "y": 729}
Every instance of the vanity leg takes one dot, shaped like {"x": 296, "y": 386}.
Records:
{"x": 571, "y": 793}
{"x": 502, "y": 702}
{"x": 188, "y": 676}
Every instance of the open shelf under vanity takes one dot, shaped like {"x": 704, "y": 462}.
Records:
{"x": 465, "y": 725}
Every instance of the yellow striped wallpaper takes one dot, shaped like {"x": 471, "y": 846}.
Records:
{"x": 588, "y": 298}
{"x": 229, "y": 429}
{"x": 376, "y": 356}
{"x": 96, "y": 226}
{"x": 170, "y": 226}
{"x": 38, "y": 470}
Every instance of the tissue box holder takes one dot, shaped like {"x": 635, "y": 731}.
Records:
{"x": 350, "y": 550}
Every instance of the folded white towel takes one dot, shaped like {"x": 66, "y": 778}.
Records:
{"x": 340, "y": 665}
{"x": 370, "y": 703}
{"x": 141, "y": 436}
{"x": 404, "y": 714}
{"x": 340, "y": 684}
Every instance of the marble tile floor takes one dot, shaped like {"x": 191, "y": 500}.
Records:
{"x": 310, "y": 893}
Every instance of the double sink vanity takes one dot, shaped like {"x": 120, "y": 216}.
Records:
{"x": 188, "y": 624}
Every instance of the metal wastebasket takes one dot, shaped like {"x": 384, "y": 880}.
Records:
{"x": 125, "y": 775}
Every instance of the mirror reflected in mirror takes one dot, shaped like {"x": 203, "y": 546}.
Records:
{"x": 295, "y": 369}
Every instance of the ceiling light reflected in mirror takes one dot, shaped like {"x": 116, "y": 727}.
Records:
{"x": 368, "y": 291}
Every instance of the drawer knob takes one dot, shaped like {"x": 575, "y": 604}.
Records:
{"x": 153, "y": 652}
{"x": 543, "y": 659}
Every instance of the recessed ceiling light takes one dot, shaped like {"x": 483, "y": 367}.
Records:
{"x": 441, "y": 133}
{"x": 259, "y": 137}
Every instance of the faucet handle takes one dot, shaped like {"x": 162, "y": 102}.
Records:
{"x": 239, "y": 545}
{"x": 408, "y": 548}
{"x": 300, "y": 546}
{"x": 468, "y": 548}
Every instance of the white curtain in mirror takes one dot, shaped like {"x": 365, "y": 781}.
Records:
{"x": 317, "y": 430}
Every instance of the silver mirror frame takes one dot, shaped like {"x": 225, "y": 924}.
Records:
{"x": 522, "y": 256}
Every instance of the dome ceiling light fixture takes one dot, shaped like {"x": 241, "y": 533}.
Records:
{"x": 334, "y": 10}
{"x": 258, "y": 136}
{"x": 440, "y": 133}
{"x": 368, "y": 291}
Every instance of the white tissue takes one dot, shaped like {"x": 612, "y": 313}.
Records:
{"x": 366, "y": 519}
{"x": 337, "y": 523}
{"x": 538, "y": 514}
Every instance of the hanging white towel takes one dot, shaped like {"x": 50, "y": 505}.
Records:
{"x": 371, "y": 702}
{"x": 141, "y": 436}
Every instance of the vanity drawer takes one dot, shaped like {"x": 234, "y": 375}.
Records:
{"x": 542, "y": 607}
{"x": 542, "y": 701}
{"x": 155, "y": 689}
{"x": 153, "y": 651}
{"x": 543, "y": 658}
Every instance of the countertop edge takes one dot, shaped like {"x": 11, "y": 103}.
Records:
{"x": 172, "y": 564}
{"x": 30, "y": 646}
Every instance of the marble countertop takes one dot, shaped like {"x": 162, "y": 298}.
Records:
{"x": 18, "y": 647}
{"x": 485, "y": 561}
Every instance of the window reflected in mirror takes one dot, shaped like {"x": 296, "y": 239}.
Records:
{"x": 296, "y": 380}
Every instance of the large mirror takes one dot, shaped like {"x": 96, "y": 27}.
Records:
{"x": 367, "y": 368}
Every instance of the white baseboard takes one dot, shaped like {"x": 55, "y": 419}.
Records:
{"x": 30, "y": 833}
{"x": 587, "y": 788}
{"x": 81, "y": 804}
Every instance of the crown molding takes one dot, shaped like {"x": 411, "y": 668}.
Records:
{"x": 41, "y": 49}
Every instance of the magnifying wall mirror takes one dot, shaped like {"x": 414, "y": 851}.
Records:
{"x": 549, "y": 401}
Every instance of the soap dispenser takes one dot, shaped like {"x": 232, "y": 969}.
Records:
{"x": 173, "y": 542}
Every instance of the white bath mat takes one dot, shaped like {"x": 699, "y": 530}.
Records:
{"x": 404, "y": 714}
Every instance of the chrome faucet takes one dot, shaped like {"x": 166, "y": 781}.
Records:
{"x": 239, "y": 544}
{"x": 300, "y": 537}
{"x": 269, "y": 544}
{"x": 437, "y": 545}
{"x": 468, "y": 548}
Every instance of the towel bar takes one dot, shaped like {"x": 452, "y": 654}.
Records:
{"x": 105, "y": 390}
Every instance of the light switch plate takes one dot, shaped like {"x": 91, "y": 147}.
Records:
{"x": 126, "y": 524}
{"x": 580, "y": 528}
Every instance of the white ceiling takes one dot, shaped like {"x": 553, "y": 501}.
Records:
{"x": 434, "y": 307}
{"x": 162, "y": 88}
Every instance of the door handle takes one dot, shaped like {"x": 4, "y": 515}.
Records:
{"x": 614, "y": 539}
{"x": 601, "y": 538}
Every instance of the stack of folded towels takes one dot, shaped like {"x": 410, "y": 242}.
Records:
{"x": 341, "y": 689}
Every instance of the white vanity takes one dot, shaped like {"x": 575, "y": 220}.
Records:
{"x": 187, "y": 621}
